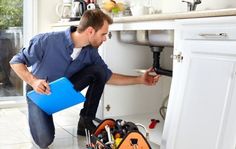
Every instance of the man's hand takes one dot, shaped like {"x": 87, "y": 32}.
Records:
{"x": 41, "y": 86}
{"x": 149, "y": 79}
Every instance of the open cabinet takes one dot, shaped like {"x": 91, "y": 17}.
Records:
{"x": 136, "y": 103}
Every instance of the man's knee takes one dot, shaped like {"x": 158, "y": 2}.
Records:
{"x": 44, "y": 142}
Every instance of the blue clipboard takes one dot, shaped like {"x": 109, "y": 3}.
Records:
{"x": 62, "y": 96}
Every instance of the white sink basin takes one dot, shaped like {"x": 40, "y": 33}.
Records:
{"x": 164, "y": 38}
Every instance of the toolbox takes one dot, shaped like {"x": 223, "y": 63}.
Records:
{"x": 116, "y": 134}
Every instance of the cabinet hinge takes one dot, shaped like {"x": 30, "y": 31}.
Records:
{"x": 109, "y": 35}
{"x": 178, "y": 56}
{"x": 108, "y": 107}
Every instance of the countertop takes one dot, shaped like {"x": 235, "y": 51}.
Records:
{"x": 180, "y": 15}
{"x": 164, "y": 16}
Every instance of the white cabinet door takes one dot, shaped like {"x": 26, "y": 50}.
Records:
{"x": 206, "y": 93}
{"x": 203, "y": 111}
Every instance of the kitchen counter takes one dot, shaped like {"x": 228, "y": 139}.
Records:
{"x": 161, "y": 21}
{"x": 180, "y": 15}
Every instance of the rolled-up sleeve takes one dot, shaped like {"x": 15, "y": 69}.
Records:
{"x": 31, "y": 54}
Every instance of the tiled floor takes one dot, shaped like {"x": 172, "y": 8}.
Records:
{"x": 14, "y": 130}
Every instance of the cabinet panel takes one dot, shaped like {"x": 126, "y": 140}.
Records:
{"x": 207, "y": 81}
{"x": 203, "y": 105}
{"x": 136, "y": 103}
{"x": 228, "y": 136}
{"x": 135, "y": 99}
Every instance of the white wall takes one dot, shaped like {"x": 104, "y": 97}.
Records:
{"x": 179, "y": 6}
{"x": 47, "y": 9}
{"x": 217, "y": 4}
{"x": 168, "y": 6}
{"x": 46, "y": 14}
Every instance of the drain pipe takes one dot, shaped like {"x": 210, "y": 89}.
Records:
{"x": 156, "y": 61}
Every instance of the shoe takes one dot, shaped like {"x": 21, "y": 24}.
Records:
{"x": 85, "y": 123}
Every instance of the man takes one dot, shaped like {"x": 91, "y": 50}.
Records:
{"x": 72, "y": 53}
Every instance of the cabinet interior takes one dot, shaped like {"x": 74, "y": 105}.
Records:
{"x": 136, "y": 103}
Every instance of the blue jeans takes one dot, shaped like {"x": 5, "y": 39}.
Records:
{"x": 41, "y": 124}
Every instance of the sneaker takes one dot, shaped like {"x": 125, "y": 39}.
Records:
{"x": 85, "y": 123}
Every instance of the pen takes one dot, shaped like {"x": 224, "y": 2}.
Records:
{"x": 46, "y": 79}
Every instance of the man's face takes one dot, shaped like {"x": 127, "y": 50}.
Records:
{"x": 97, "y": 38}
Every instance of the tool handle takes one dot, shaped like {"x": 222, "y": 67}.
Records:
{"x": 153, "y": 123}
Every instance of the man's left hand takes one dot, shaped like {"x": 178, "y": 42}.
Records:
{"x": 150, "y": 79}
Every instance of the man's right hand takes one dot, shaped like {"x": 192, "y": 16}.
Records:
{"x": 41, "y": 86}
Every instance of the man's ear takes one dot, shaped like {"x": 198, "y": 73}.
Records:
{"x": 90, "y": 30}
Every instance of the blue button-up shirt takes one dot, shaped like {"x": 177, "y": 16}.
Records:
{"x": 49, "y": 55}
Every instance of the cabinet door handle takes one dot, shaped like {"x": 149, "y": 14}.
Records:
{"x": 209, "y": 35}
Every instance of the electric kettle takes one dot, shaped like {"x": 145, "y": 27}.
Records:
{"x": 78, "y": 8}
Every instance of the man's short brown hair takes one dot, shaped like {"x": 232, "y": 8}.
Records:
{"x": 94, "y": 18}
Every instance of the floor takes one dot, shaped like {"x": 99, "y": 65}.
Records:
{"x": 15, "y": 131}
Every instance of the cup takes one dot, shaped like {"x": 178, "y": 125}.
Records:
{"x": 137, "y": 10}
{"x": 91, "y": 6}
{"x": 67, "y": 1}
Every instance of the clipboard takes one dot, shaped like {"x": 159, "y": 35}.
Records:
{"x": 62, "y": 96}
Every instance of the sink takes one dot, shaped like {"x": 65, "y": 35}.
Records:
{"x": 164, "y": 38}
{"x": 128, "y": 36}
{"x": 156, "y": 39}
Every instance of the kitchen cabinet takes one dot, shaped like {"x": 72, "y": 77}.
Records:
{"x": 202, "y": 101}
{"x": 137, "y": 103}
{"x": 202, "y": 92}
